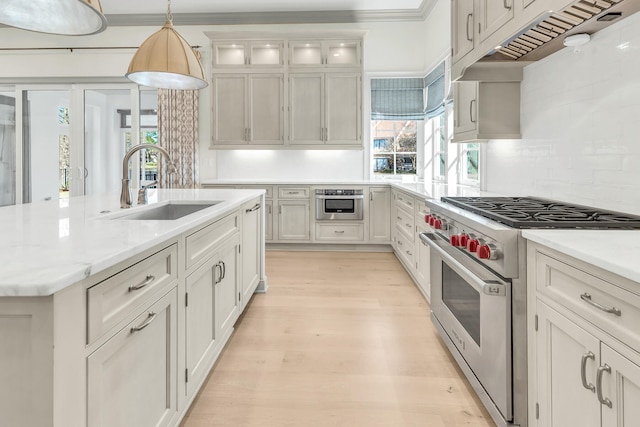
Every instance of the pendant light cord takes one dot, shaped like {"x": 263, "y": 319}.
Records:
{"x": 169, "y": 16}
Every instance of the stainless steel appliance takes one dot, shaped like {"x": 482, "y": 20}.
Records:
{"x": 478, "y": 287}
{"x": 339, "y": 205}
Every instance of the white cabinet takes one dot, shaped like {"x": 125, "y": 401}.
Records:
{"x": 293, "y": 220}
{"x": 585, "y": 368}
{"x": 247, "y": 53}
{"x": 493, "y": 15}
{"x": 248, "y": 109}
{"x": 132, "y": 377}
{"x": 423, "y": 253}
{"x": 228, "y": 293}
{"x": 331, "y": 53}
{"x": 463, "y": 34}
{"x": 379, "y": 214}
{"x": 268, "y": 220}
{"x": 486, "y": 110}
{"x": 325, "y": 109}
{"x": 252, "y": 215}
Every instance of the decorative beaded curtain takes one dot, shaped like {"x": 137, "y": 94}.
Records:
{"x": 178, "y": 134}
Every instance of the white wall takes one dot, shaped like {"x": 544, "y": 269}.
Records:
{"x": 580, "y": 124}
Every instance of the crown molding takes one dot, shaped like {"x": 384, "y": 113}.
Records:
{"x": 267, "y": 18}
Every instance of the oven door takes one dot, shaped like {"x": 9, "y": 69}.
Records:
{"x": 473, "y": 307}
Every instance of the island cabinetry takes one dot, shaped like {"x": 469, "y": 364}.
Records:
{"x": 423, "y": 253}
{"x": 252, "y": 220}
{"x": 131, "y": 378}
{"x": 584, "y": 343}
{"x": 293, "y": 214}
{"x": 211, "y": 299}
{"x": 379, "y": 215}
{"x": 248, "y": 109}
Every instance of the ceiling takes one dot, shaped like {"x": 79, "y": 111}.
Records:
{"x": 234, "y": 6}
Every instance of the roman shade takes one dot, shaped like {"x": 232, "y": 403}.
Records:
{"x": 397, "y": 99}
{"x": 435, "y": 94}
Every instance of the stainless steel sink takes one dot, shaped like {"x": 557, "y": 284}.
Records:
{"x": 168, "y": 212}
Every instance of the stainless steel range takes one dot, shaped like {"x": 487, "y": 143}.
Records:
{"x": 478, "y": 286}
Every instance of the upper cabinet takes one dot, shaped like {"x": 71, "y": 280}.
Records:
{"x": 234, "y": 54}
{"x": 286, "y": 92}
{"x": 325, "y": 53}
{"x": 463, "y": 34}
{"x": 493, "y": 16}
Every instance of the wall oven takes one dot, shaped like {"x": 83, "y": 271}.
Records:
{"x": 339, "y": 204}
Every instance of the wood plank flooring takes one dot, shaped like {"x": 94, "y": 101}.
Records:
{"x": 339, "y": 339}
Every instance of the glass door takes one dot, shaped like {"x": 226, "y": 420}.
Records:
{"x": 7, "y": 148}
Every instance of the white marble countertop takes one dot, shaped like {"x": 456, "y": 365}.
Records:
{"x": 426, "y": 189}
{"x": 47, "y": 246}
{"x": 616, "y": 251}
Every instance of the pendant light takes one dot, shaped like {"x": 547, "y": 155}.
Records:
{"x": 65, "y": 17}
{"x": 165, "y": 60}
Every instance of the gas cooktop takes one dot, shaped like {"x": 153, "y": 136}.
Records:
{"x": 530, "y": 212}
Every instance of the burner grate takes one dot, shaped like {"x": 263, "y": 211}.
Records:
{"x": 529, "y": 212}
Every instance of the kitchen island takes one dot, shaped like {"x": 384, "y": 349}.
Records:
{"x": 108, "y": 318}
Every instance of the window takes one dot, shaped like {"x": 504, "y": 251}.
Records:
{"x": 395, "y": 146}
{"x": 469, "y": 162}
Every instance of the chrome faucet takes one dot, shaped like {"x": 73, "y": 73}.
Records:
{"x": 125, "y": 195}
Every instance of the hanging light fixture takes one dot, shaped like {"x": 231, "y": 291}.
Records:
{"x": 65, "y": 17}
{"x": 165, "y": 60}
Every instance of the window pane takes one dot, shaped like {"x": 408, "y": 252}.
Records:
{"x": 383, "y": 163}
{"x": 394, "y": 146}
{"x": 406, "y": 163}
{"x": 7, "y": 148}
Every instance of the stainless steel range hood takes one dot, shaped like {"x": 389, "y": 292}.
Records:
{"x": 545, "y": 35}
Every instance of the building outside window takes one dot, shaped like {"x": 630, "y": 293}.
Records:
{"x": 395, "y": 145}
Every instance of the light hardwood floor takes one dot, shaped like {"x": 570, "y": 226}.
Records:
{"x": 339, "y": 339}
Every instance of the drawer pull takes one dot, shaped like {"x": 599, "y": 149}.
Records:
{"x": 409, "y": 253}
{"x": 293, "y": 192}
{"x": 339, "y": 231}
{"x": 147, "y": 281}
{"x": 147, "y": 322}
{"x": 601, "y": 370}
{"x": 408, "y": 225}
{"x": 253, "y": 209}
{"x": 399, "y": 243}
{"x": 587, "y": 298}
{"x": 583, "y": 371}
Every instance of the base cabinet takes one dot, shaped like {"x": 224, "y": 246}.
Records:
{"x": 379, "y": 214}
{"x": 252, "y": 216}
{"x": 293, "y": 220}
{"x": 585, "y": 369}
{"x": 132, "y": 377}
{"x": 228, "y": 293}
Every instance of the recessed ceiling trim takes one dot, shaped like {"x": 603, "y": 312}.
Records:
{"x": 266, "y": 18}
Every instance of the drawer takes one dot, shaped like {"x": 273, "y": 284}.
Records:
{"x": 113, "y": 299}
{"x": 405, "y": 222}
{"x": 405, "y": 202}
{"x": 340, "y": 232}
{"x": 293, "y": 192}
{"x": 267, "y": 188}
{"x": 589, "y": 296}
{"x": 200, "y": 243}
{"x": 405, "y": 250}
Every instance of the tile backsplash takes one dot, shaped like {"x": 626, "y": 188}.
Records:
{"x": 580, "y": 123}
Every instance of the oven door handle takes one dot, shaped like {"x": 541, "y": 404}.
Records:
{"x": 486, "y": 287}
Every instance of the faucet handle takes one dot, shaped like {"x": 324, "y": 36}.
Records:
{"x": 142, "y": 193}
{"x": 151, "y": 184}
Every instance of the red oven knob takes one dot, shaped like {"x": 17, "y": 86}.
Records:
{"x": 487, "y": 252}
{"x": 432, "y": 221}
{"x": 437, "y": 224}
{"x": 454, "y": 239}
{"x": 464, "y": 239}
{"x": 472, "y": 245}
{"x": 427, "y": 218}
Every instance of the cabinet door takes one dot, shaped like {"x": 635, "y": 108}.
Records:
{"x": 463, "y": 28}
{"x": 423, "y": 262}
{"x": 306, "y": 107}
{"x": 229, "y": 109}
{"x": 561, "y": 348}
{"x": 343, "y": 53}
{"x": 132, "y": 377}
{"x": 343, "y": 118}
{"x": 266, "y": 116}
{"x": 465, "y": 101}
{"x": 268, "y": 220}
{"x": 228, "y": 289}
{"x": 622, "y": 387}
{"x": 200, "y": 336}
{"x": 293, "y": 220}
{"x": 493, "y": 15}
{"x": 251, "y": 236}
{"x": 379, "y": 214}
